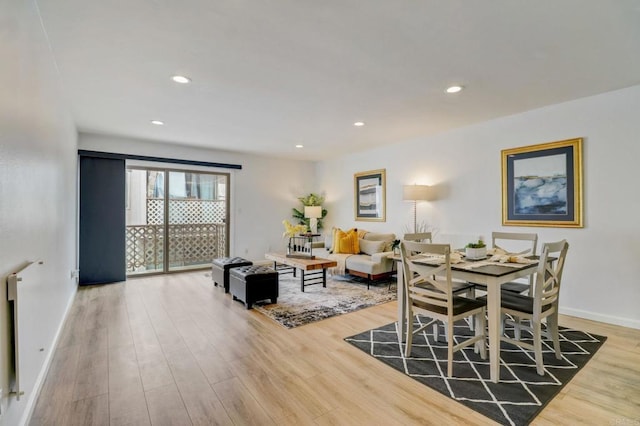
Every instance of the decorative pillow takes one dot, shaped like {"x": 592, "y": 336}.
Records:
{"x": 349, "y": 243}
{"x": 333, "y": 239}
{"x": 388, "y": 246}
{"x": 370, "y": 247}
{"x": 345, "y": 242}
{"x": 334, "y": 242}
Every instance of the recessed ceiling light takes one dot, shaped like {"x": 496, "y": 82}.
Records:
{"x": 359, "y": 123}
{"x": 157, "y": 122}
{"x": 181, "y": 79}
{"x": 299, "y": 146}
{"x": 454, "y": 89}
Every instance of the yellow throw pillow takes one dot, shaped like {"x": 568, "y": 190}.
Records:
{"x": 349, "y": 244}
{"x": 335, "y": 240}
{"x": 346, "y": 242}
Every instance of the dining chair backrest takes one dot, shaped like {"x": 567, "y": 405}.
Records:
{"x": 427, "y": 284}
{"x": 549, "y": 276}
{"x": 519, "y": 243}
{"x": 421, "y": 237}
{"x": 498, "y": 238}
{"x": 418, "y": 237}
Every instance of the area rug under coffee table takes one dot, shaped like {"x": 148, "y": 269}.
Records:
{"x": 342, "y": 295}
{"x": 521, "y": 393}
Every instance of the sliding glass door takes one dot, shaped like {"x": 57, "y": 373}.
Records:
{"x": 197, "y": 228}
{"x": 176, "y": 219}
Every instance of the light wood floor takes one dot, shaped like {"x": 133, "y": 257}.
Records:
{"x": 174, "y": 350}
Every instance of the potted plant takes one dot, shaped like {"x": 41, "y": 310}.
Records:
{"x": 474, "y": 251}
{"x": 309, "y": 200}
{"x": 395, "y": 246}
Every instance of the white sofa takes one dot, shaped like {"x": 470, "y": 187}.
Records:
{"x": 373, "y": 262}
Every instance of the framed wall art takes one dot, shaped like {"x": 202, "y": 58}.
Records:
{"x": 370, "y": 195}
{"x": 542, "y": 185}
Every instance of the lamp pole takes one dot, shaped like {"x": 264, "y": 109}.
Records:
{"x": 415, "y": 193}
{"x": 415, "y": 215}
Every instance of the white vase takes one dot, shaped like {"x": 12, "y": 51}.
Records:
{"x": 475, "y": 253}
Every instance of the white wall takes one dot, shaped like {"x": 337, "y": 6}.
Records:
{"x": 602, "y": 274}
{"x": 263, "y": 192}
{"x": 37, "y": 192}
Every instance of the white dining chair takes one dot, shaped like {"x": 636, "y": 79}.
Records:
{"x": 543, "y": 304}
{"x": 517, "y": 243}
{"x": 428, "y": 291}
{"x": 459, "y": 287}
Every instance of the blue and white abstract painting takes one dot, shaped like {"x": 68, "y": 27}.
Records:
{"x": 540, "y": 185}
{"x": 369, "y": 196}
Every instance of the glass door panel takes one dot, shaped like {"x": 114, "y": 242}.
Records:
{"x": 145, "y": 207}
{"x": 198, "y": 219}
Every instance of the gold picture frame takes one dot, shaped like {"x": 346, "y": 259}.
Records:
{"x": 370, "y": 195}
{"x": 542, "y": 185}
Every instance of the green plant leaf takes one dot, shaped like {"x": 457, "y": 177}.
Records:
{"x": 309, "y": 200}
{"x": 479, "y": 244}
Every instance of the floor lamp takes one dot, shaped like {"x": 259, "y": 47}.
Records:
{"x": 415, "y": 193}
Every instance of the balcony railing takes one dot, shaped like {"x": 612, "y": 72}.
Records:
{"x": 189, "y": 245}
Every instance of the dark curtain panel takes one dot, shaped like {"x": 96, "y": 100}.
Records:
{"x": 102, "y": 220}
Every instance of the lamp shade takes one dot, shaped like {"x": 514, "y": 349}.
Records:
{"x": 311, "y": 212}
{"x": 416, "y": 193}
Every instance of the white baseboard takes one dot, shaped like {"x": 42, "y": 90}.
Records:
{"x": 37, "y": 387}
{"x": 609, "y": 319}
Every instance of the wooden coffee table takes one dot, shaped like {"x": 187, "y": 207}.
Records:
{"x": 316, "y": 269}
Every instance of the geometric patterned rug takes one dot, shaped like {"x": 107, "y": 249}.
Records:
{"x": 521, "y": 393}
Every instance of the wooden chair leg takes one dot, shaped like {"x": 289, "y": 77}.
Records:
{"x": 481, "y": 331}
{"x": 450, "y": 348}
{"x": 471, "y": 294}
{"x": 552, "y": 326}
{"x": 478, "y": 331}
{"x": 516, "y": 328}
{"x": 407, "y": 348}
{"x": 537, "y": 348}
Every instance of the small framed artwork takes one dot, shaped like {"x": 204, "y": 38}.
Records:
{"x": 370, "y": 195}
{"x": 542, "y": 185}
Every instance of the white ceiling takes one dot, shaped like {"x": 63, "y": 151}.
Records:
{"x": 271, "y": 74}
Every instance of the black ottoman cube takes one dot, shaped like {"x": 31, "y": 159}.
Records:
{"x": 252, "y": 283}
{"x": 220, "y": 269}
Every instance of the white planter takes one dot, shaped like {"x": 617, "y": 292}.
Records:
{"x": 475, "y": 253}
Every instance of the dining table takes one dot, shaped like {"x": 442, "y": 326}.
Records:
{"x": 492, "y": 274}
